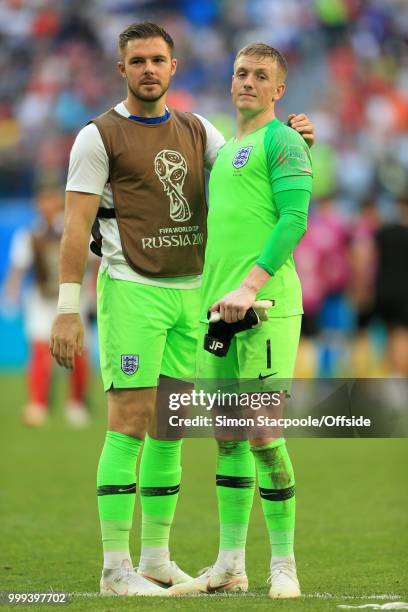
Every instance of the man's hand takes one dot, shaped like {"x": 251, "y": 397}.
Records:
{"x": 233, "y": 306}
{"x": 67, "y": 339}
{"x": 302, "y": 124}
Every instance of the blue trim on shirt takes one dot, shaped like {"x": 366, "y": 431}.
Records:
{"x": 151, "y": 119}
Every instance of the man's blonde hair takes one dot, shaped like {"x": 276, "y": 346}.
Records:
{"x": 262, "y": 50}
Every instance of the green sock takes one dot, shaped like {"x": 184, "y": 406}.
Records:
{"x": 116, "y": 488}
{"x": 277, "y": 488}
{"x": 159, "y": 478}
{"x": 235, "y": 491}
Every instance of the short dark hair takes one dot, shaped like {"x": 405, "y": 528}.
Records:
{"x": 145, "y": 29}
{"x": 263, "y": 50}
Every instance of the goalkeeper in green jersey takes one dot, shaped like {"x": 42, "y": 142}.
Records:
{"x": 259, "y": 195}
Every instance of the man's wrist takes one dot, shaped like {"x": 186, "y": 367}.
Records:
{"x": 68, "y": 299}
{"x": 248, "y": 286}
{"x": 255, "y": 280}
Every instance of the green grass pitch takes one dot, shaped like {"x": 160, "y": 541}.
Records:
{"x": 351, "y": 521}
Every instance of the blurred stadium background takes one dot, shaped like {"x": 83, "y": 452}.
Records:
{"x": 348, "y": 63}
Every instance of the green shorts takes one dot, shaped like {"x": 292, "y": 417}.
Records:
{"x": 145, "y": 331}
{"x": 264, "y": 353}
{"x": 260, "y": 360}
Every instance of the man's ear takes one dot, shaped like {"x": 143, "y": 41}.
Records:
{"x": 173, "y": 66}
{"x": 232, "y": 82}
{"x": 279, "y": 91}
{"x": 121, "y": 69}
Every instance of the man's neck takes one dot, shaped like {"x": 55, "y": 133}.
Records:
{"x": 249, "y": 123}
{"x": 139, "y": 108}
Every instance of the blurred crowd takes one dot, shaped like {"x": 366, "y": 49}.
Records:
{"x": 348, "y": 69}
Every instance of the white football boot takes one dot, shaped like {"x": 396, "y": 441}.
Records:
{"x": 128, "y": 583}
{"x": 165, "y": 575}
{"x": 283, "y": 579}
{"x": 77, "y": 415}
{"x": 213, "y": 580}
{"x": 34, "y": 415}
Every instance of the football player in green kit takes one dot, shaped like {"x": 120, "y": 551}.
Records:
{"x": 259, "y": 194}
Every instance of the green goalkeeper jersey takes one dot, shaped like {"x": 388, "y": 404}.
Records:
{"x": 245, "y": 178}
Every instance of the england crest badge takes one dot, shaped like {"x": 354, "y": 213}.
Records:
{"x": 241, "y": 157}
{"x": 130, "y": 364}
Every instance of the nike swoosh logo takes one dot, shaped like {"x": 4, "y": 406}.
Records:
{"x": 224, "y": 585}
{"x": 158, "y": 582}
{"x": 267, "y": 375}
{"x": 123, "y": 592}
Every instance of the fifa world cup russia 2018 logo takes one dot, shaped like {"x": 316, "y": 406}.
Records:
{"x": 171, "y": 168}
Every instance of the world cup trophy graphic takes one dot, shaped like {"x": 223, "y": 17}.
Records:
{"x": 171, "y": 168}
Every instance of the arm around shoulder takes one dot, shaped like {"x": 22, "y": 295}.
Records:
{"x": 215, "y": 140}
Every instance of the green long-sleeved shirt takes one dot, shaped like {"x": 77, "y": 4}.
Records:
{"x": 256, "y": 216}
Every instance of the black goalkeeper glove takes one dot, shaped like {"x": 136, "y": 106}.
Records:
{"x": 218, "y": 339}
